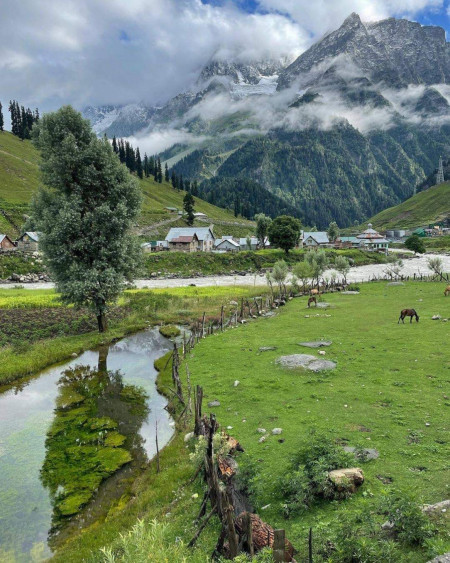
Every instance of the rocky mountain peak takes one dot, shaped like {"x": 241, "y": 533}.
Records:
{"x": 397, "y": 52}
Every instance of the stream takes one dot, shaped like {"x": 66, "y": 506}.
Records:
{"x": 72, "y": 439}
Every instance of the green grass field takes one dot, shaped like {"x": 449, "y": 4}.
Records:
{"x": 430, "y": 206}
{"x": 391, "y": 382}
{"x": 19, "y": 178}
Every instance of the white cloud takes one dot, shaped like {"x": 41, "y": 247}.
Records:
{"x": 91, "y": 51}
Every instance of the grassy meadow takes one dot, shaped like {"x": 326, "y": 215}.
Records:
{"x": 390, "y": 391}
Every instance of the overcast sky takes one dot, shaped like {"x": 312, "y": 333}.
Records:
{"x": 83, "y": 52}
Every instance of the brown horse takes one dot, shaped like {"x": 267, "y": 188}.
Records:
{"x": 312, "y": 300}
{"x": 408, "y": 313}
{"x": 447, "y": 291}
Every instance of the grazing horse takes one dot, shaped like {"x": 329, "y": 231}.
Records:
{"x": 312, "y": 300}
{"x": 408, "y": 313}
{"x": 447, "y": 291}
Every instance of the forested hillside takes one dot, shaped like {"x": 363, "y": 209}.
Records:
{"x": 328, "y": 175}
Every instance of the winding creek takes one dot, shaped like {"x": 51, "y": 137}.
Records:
{"x": 66, "y": 429}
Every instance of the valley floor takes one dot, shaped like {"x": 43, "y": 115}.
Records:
{"x": 389, "y": 391}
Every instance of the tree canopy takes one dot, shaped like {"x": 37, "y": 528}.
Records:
{"x": 284, "y": 232}
{"x": 416, "y": 244}
{"x": 85, "y": 212}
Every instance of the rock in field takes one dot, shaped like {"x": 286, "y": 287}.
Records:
{"x": 305, "y": 361}
{"x": 214, "y": 403}
{"x": 353, "y": 476}
{"x": 277, "y": 431}
{"x": 367, "y": 453}
{"x": 445, "y": 558}
{"x": 396, "y": 283}
{"x": 267, "y": 348}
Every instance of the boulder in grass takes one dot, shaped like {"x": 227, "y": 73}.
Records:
{"x": 350, "y": 478}
{"x": 445, "y": 558}
{"x": 442, "y": 506}
{"x": 214, "y": 403}
{"x": 316, "y": 344}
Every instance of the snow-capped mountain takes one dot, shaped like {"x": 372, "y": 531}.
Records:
{"x": 237, "y": 79}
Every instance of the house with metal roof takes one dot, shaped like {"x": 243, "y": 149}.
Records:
{"x": 313, "y": 239}
{"x": 155, "y": 246}
{"x": 184, "y": 243}
{"x": 226, "y": 245}
{"x": 347, "y": 242}
{"x": 204, "y": 235}
{"x": 372, "y": 240}
{"x": 6, "y": 244}
{"x": 243, "y": 243}
{"x": 29, "y": 241}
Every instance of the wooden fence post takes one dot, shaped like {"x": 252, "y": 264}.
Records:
{"x": 279, "y": 545}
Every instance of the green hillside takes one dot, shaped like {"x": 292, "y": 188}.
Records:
{"x": 430, "y": 206}
{"x": 19, "y": 178}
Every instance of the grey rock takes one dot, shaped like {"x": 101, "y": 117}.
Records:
{"x": 445, "y": 558}
{"x": 305, "y": 361}
{"x": 316, "y": 343}
{"x": 323, "y": 305}
{"x": 261, "y": 430}
{"x": 236, "y": 383}
{"x": 277, "y": 431}
{"x": 188, "y": 436}
{"x": 214, "y": 403}
{"x": 436, "y": 317}
{"x": 442, "y": 506}
{"x": 369, "y": 453}
{"x": 349, "y": 292}
{"x": 395, "y": 283}
{"x": 267, "y": 348}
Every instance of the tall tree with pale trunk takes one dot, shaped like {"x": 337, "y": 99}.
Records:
{"x": 85, "y": 213}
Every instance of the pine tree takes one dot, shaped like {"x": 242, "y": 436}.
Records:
{"x": 166, "y": 173}
{"x": 121, "y": 151}
{"x": 187, "y": 185}
{"x": 173, "y": 179}
{"x": 188, "y": 206}
{"x": 139, "y": 169}
{"x": 85, "y": 214}
{"x": 114, "y": 145}
{"x": 36, "y": 115}
{"x": 146, "y": 172}
{"x": 194, "y": 190}
{"x": 160, "y": 174}
{"x": 237, "y": 206}
{"x": 180, "y": 182}
{"x": 151, "y": 165}
{"x": 2, "y": 123}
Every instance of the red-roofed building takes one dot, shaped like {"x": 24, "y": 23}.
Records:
{"x": 185, "y": 243}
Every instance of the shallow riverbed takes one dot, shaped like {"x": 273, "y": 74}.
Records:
{"x": 411, "y": 266}
{"x": 38, "y": 413}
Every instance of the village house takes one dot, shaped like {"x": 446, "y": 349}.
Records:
{"x": 6, "y": 244}
{"x": 204, "y": 235}
{"x": 226, "y": 244}
{"x": 184, "y": 243}
{"x": 243, "y": 243}
{"x": 372, "y": 240}
{"x": 314, "y": 239}
{"x": 28, "y": 242}
{"x": 155, "y": 246}
{"x": 347, "y": 242}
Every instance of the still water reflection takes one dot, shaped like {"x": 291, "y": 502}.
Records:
{"x": 76, "y": 434}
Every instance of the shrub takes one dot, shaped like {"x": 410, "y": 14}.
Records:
{"x": 308, "y": 479}
{"x": 410, "y": 524}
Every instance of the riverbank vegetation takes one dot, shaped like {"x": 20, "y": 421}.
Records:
{"x": 386, "y": 399}
{"x": 207, "y": 263}
{"x": 37, "y": 330}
